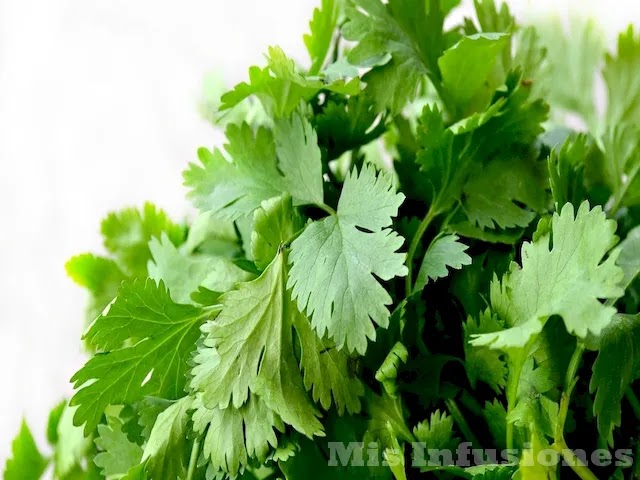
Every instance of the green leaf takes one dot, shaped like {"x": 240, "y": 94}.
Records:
{"x": 235, "y": 435}
{"x": 620, "y": 164}
{"x": 327, "y": 372}
{"x": 26, "y": 462}
{"x": 573, "y": 58}
{"x": 437, "y": 432}
{"x": 275, "y": 222}
{"x": 506, "y": 193}
{"x": 117, "y": 454}
{"x": 127, "y": 233}
{"x": 482, "y": 363}
{"x": 451, "y": 157}
{"x": 348, "y": 124}
{"x": 249, "y": 347}
{"x": 281, "y": 88}
{"x": 466, "y": 67}
{"x": 166, "y": 453}
{"x": 496, "y": 417}
{"x": 387, "y": 423}
{"x": 72, "y": 445}
{"x": 566, "y": 171}
{"x": 629, "y": 257}
{"x": 322, "y": 28}
{"x": 614, "y": 370}
{"x": 621, "y": 78}
{"x": 443, "y": 253}
{"x": 335, "y": 259}
{"x": 184, "y": 274}
{"x": 146, "y": 340}
{"x": 100, "y": 275}
{"x": 411, "y": 31}
{"x": 53, "y": 422}
{"x": 567, "y": 278}
{"x": 387, "y": 374}
{"x": 136, "y": 473}
{"x": 264, "y": 165}
{"x": 211, "y": 236}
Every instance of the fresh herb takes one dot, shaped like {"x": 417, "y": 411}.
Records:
{"x": 401, "y": 249}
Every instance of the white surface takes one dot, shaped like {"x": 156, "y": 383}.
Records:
{"x": 97, "y": 112}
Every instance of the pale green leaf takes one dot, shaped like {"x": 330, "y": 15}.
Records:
{"x": 235, "y": 435}
{"x": 184, "y": 273}
{"x": 444, "y": 253}
{"x": 167, "y": 451}
{"x": 566, "y": 278}
{"x": 117, "y": 454}
{"x": 335, "y": 263}
{"x": 249, "y": 347}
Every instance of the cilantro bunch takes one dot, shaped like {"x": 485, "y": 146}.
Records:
{"x": 402, "y": 248}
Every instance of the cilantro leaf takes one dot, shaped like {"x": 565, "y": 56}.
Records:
{"x": 117, "y": 454}
{"x": 100, "y": 275}
{"x": 566, "y": 171}
{"x": 443, "y": 253}
{"x": 322, "y": 27}
{"x": 507, "y": 193}
{"x": 629, "y": 257}
{"x": 280, "y": 87}
{"x": 465, "y": 70}
{"x": 233, "y": 435}
{"x": 166, "y": 453}
{"x": 275, "y": 222}
{"x": 263, "y": 165}
{"x": 348, "y": 124}
{"x": 184, "y": 274}
{"x": 437, "y": 432}
{"x": 623, "y": 85}
{"x": 614, "y": 370}
{"x": 71, "y": 446}
{"x": 334, "y": 261}
{"x": 26, "y": 463}
{"x": 620, "y": 164}
{"x": 565, "y": 279}
{"x": 249, "y": 347}
{"x": 410, "y": 31}
{"x": 572, "y": 59}
{"x": 127, "y": 233}
{"x": 483, "y": 363}
{"x": 146, "y": 340}
{"x": 327, "y": 372}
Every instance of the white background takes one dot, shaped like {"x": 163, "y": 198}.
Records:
{"x": 98, "y": 111}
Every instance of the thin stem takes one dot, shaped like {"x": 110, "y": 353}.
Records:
{"x": 193, "y": 461}
{"x": 415, "y": 242}
{"x": 458, "y": 417}
{"x": 633, "y": 401}
{"x": 559, "y": 444}
{"x": 574, "y": 365}
{"x": 515, "y": 369}
{"x": 326, "y": 208}
{"x": 579, "y": 468}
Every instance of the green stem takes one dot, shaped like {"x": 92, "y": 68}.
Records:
{"x": 633, "y": 401}
{"x": 617, "y": 204}
{"x": 579, "y": 468}
{"x": 415, "y": 242}
{"x": 559, "y": 444}
{"x": 515, "y": 369}
{"x": 458, "y": 417}
{"x": 193, "y": 461}
{"x": 574, "y": 365}
{"x": 326, "y": 208}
